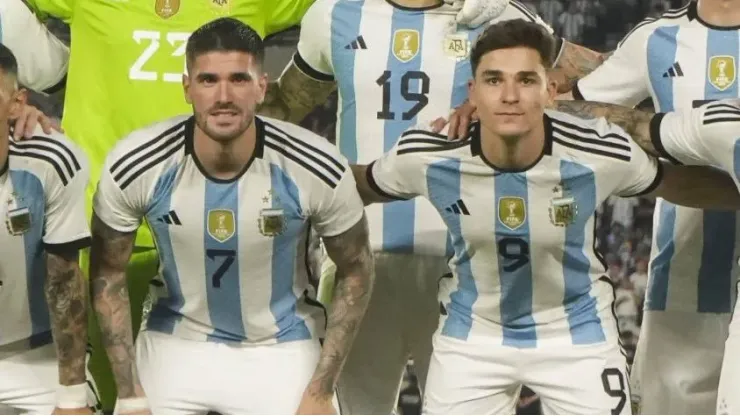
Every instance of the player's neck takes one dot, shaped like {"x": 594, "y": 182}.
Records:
{"x": 415, "y": 4}
{"x": 719, "y": 12}
{"x": 509, "y": 153}
{"x": 226, "y": 160}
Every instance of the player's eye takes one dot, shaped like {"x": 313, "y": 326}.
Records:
{"x": 493, "y": 81}
{"x": 529, "y": 81}
{"x": 207, "y": 79}
{"x": 240, "y": 78}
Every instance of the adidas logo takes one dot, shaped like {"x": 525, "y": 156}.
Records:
{"x": 358, "y": 43}
{"x": 458, "y": 208}
{"x": 673, "y": 71}
{"x": 171, "y": 218}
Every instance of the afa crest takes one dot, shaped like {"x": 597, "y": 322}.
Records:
{"x": 512, "y": 212}
{"x": 221, "y": 224}
{"x": 221, "y": 6}
{"x": 563, "y": 211}
{"x": 271, "y": 222}
{"x": 457, "y": 45}
{"x": 166, "y": 8}
{"x": 18, "y": 217}
{"x": 721, "y": 71}
{"x": 405, "y": 44}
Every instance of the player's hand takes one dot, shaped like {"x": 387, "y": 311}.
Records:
{"x": 459, "y": 121}
{"x": 474, "y": 13}
{"x": 78, "y": 411}
{"x": 312, "y": 405}
{"x": 29, "y": 119}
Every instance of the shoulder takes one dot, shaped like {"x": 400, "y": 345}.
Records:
{"x": 146, "y": 149}
{"x": 46, "y": 154}
{"x": 649, "y": 25}
{"x": 299, "y": 148}
{"x": 320, "y": 11}
{"x": 422, "y": 140}
{"x": 589, "y": 138}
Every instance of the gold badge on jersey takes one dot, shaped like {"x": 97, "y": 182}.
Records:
{"x": 18, "y": 217}
{"x": 405, "y": 44}
{"x": 721, "y": 71}
{"x": 457, "y": 45}
{"x": 166, "y": 8}
{"x": 221, "y": 224}
{"x": 512, "y": 212}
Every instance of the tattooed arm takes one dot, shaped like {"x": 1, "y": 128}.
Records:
{"x": 66, "y": 295}
{"x": 635, "y": 122}
{"x": 350, "y": 251}
{"x": 574, "y": 63}
{"x": 294, "y": 95}
{"x": 109, "y": 255}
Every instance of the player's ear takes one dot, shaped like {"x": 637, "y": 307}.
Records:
{"x": 18, "y": 101}
{"x": 186, "y": 88}
{"x": 552, "y": 90}
{"x": 471, "y": 92}
{"x": 262, "y": 83}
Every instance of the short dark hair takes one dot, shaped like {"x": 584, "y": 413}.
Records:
{"x": 8, "y": 63}
{"x": 224, "y": 35}
{"x": 511, "y": 34}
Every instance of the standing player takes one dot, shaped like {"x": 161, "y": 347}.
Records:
{"x": 529, "y": 301}
{"x": 42, "y": 291}
{"x": 396, "y": 64}
{"x": 685, "y": 58}
{"x": 233, "y": 328}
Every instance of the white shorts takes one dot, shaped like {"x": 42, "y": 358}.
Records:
{"x": 29, "y": 381}
{"x": 481, "y": 376}
{"x": 400, "y": 320}
{"x": 677, "y": 363}
{"x": 180, "y": 376}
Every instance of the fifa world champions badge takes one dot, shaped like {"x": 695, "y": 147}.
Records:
{"x": 271, "y": 221}
{"x": 563, "y": 207}
{"x": 18, "y": 216}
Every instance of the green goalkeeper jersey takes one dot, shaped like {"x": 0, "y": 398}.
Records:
{"x": 127, "y": 59}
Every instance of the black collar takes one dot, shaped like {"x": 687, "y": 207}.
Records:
{"x": 415, "y": 9}
{"x": 259, "y": 148}
{"x": 475, "y": 147}
{"x": 693, "y": 14}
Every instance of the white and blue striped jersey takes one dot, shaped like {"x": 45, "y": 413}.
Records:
{"x": 42, "y": 203}
{"x": 395, "y": 67}
{"x": 525, "y": 268}
{"x": 681, "y": 62}
{"x": 233, "y": 264}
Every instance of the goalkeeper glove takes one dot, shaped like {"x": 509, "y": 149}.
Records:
{"x": 474, "y": 13}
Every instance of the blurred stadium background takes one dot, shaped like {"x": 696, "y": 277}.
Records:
{"x": 624, "y": 230}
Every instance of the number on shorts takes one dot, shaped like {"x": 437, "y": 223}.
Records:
{"x": 619, "y": 392}
{"x": 228, "y": 260}
{"x": 514, "y": 249}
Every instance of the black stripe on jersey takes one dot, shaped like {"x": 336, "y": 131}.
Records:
{"x": 556, "y": 123}
{"x": 375, "y": 187}
{"x": 153, "y": 162}
{"x": 653, "y": 185}
{"x": 56, "y": 144}
{"x": 22, "y": 152}
{"x": 155, "y": 154}
{"x": 433, "y": 148}
{"x": 714, "y": 105}
{"x": 606, "y": 279}
{"x": 431, "y": 134}
{"x": 22, "y": 146}
{"x": 618, "y": 156}
{"x": 719, "y": 113}
{"x": 524, "y": 10}
{"x": 304, "y": 67}
{"x": 327, "y": 158}
{"x": 590, "y": 143}
{"x": 656, "y": 140}
{"x": 280, "y": 148}
{"x": 144, "y": 146}
{"x": 44, "y": 144}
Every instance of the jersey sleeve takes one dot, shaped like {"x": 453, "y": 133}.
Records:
{"x": 340, "y": 209}
{"x": 398, "y": 174}
{"x": 120, "y": 209}
{"x": 313, "y": 57}
{"x": 698, "y": 136}
{"x": 286, "y": 13}
{"x": 66, "y": 221}
{"x": 641, "y": 175}
{"x": 622, "y": 78}
{"x": 61, "y": 9}
{"x": 42, "y": 57}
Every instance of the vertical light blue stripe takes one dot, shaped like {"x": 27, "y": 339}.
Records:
{"x": 516, "y": 281}
{"x": 30, "y": 194}
{"x": 463, "y": 70}
{"x": 661, "y": 55}
{"x": 345, "y": 27}
{"x": 284, "y": 252}
{"x": 165, "y": 313}
{"x": 399, "y": 217}
{"x": 715, "y": 273}
{"x": 443, "y": 183}
{"x": 224, "y": 301}
{"x": 579, "y": 182}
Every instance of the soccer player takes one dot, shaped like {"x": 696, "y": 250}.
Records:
{"x": 230, "y": 198}
{"x": 396, "y": 64}
{"x": 43, "y": 327}
{"x": 680, "y": 60}
{"x": 529, "y": 301}
{"x": 42, "y": 58}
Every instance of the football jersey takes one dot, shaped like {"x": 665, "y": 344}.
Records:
{"x": 525, "y": 268}
{"x": 42, "y": 202}
{"x": 128, "y": 57}
{"x": 42, "y": 58}
{"x": 233, "y": 263}
{"x": 395, "y": 67}
{"x": 681, "y": 62}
